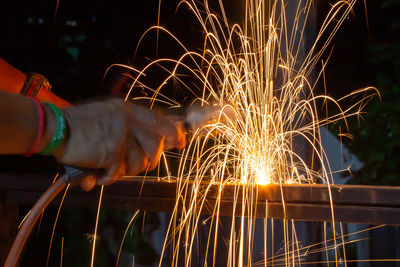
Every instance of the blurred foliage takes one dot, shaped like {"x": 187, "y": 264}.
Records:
{"x": 76, "y": 226}
{"x": 377, "y": 138}
{"x": 138, "y": 241}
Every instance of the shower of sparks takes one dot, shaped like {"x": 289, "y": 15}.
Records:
{"x": 263, "y": 77}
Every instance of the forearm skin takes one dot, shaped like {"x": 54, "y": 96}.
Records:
{"x": 19, "y": 122}
{"x": 12, "y": 80}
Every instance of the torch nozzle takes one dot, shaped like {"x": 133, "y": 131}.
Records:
{"x": 198, "y": 117}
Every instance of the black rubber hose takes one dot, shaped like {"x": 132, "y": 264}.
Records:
{"x": 30, "y": 221}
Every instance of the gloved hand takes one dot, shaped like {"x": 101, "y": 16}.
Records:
{"x": 118, "y": 136}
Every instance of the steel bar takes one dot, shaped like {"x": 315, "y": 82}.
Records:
{"x": 341, "y": 203}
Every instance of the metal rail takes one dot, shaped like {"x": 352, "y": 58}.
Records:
{"x": 350, "y": 203}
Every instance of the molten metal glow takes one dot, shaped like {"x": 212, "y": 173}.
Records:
{"x": 263, "y": 176}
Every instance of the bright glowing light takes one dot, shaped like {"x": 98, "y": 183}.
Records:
{"x": 260, "y": 71}
{"x": 263, "y": 176}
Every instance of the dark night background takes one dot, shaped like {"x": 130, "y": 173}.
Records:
{"x": 74, "y": 49}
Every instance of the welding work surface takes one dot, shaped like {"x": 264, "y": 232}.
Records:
{"x": 308, "y": 202}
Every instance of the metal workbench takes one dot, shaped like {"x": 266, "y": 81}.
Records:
{"x": 350, "y": 203}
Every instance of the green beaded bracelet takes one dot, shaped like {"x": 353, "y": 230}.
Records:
{"x": 60, "y": 131}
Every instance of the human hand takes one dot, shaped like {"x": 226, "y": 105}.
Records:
{"x": 120, "y": 137}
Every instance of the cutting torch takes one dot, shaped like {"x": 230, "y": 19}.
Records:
{"x": 195, "y": 118}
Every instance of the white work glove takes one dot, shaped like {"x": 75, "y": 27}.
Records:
{"x": 118, "y": 136}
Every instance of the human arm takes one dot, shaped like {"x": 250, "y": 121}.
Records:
{"x": 120, "y": 137}
{"x": 12, "y": 80}
{"x": 123, "y": 138}
{"x": 19, "y": 124}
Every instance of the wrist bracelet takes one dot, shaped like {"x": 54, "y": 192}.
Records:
{"x": 33, "y": 83}
{"x": 59, "y": 136}
{"x": 36, "y": 143}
